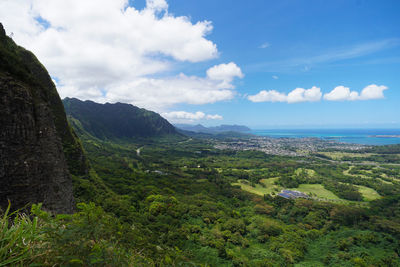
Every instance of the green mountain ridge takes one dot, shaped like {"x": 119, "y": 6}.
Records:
{"x": 116, "y": 121}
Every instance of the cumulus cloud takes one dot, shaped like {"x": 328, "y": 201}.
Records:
{"x": 268, "y": 96}
{"x": 147, "y": 92}
{"x": 214, "y": 117}
{"x": 341, "y": 93}
{"x": 297, "y": 95}
{"x": 188, "y": 117}
{"x": 224, "y": 73}
{"x": 107, "y": 50}
{"x": 275, "y": 77}
{"x": 373, "y": 91}
{"x": 264, "y": 45}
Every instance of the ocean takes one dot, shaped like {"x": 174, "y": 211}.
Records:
{"x": 356, "y": 136}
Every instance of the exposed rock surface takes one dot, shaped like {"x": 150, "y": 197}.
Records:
{"x": 38, "y": 149}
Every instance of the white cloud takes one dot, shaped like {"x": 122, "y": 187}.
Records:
{"x": 264, "y": 45}
{"x": 268, "y": 96}
{"x": 188, "y": 117}
{"x": 297, "y": 95}
{"x": 184, "y": 115}
{"x": 305, "y": 95}
{"x": 373, "y": 91}
{"x": 214, "y": 117}
{"x": 151, "y": 93}
{"x": 275, "y": 77}
{"x": 341, "y": 93}
{"x": 224, "y": 73}
{"x": 106, "y": 50}
{"x": 158, "y": 5}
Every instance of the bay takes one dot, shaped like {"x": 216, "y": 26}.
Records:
{"x": 356, "y": 136}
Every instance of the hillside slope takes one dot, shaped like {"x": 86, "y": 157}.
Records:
{"x": 117, "y": 121}
{"x": 38, "y": 149}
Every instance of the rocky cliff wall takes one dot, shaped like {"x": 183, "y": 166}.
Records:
{"x": 38, "y": 149}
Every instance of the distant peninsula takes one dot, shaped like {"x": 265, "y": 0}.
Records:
{"x": 386, "y": 136}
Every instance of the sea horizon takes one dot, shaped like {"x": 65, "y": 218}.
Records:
{"x": 364, "y": 136}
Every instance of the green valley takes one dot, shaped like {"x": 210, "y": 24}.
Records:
{"x": 113, "y": 184}
{"x": 192, "y": 203}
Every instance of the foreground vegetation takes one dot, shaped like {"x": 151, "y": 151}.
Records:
{"x": 179, "y": 201}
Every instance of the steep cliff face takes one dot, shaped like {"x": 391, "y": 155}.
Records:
{"x": 38, "y": 149}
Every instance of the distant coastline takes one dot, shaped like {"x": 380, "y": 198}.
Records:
{"x": 385, "y": 136}
{"x": 355, "y": 136}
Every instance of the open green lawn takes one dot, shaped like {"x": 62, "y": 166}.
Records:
{"x": 316, "y": 190}
{"x": 368, "y": 193}
{"x": 309, "y": 172}
{"x": 340, "y": 155}
{"x": 258, "y": 189}
{"x": 270, "y": 183}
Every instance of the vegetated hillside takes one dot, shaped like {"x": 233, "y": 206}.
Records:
{"x": 116, "y": 121}
{"x": 38, "y": 149}
{"x": 182, "y": 199}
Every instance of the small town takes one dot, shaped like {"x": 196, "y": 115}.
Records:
{"x": 285, "y": 146}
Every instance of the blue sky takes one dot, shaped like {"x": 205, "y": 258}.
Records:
{"x": 307, "y": 43}
{"x": 223, "y": 62}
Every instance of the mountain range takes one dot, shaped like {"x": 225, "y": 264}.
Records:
{"x": 115, "y": 121}
{"x": 213, "y": 130}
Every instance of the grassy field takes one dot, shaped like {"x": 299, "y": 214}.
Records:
{"x": 309, "y": 172}
{"x": 259, "y": 189}
{"x": 384, "y": 181}
{"x": 368, "y": 193}
{"x": 384, "y": 178}
{"x": 315, "y": 190}
{"x": 340, "y": 155}
{"x": 347, "y": 172}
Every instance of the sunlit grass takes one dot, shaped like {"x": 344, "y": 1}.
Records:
{"x": 368, "y": 193}
{"x": 257, "y": 189}
{"x": 340, "y": 155}
{"x": 315, "y": 190}
{"x": 309, "y": 172}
